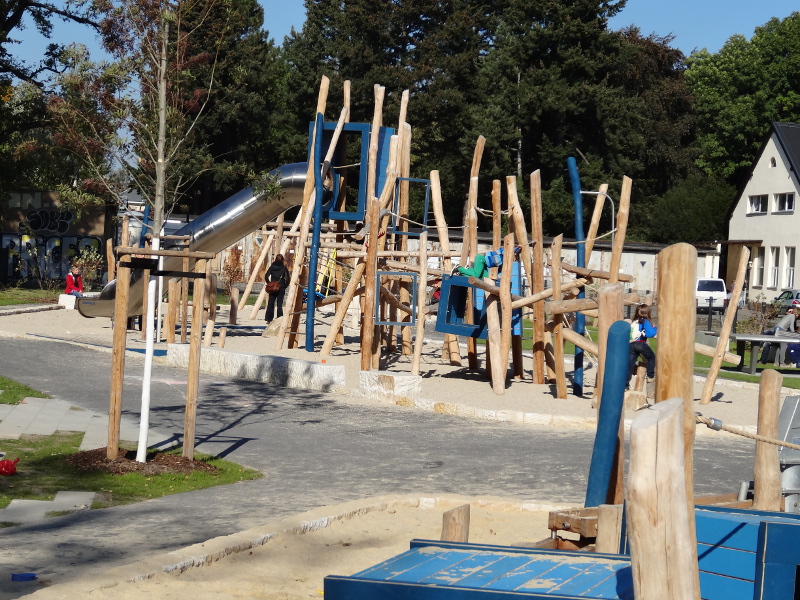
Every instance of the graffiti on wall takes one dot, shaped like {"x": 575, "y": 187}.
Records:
{"x": 43, "y": 245}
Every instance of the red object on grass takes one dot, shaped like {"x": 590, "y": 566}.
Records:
{"x": 8, "y": 467}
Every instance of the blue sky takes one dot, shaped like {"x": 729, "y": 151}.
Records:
{"x": 695, "y": 24}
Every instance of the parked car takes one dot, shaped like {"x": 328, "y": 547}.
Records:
{"x": 710, "y": 288}
{"x": 787, "y": 299}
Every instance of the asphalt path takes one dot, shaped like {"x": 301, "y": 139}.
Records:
{"x": 313, "y": 449}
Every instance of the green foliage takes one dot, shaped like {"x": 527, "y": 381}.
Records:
{"x": 13, "y": 392}
{"x": 43, "y": 471}
{"x": 22, "y": 295}
{"x": 740, "y": 90}
{"x": 695, "y": 210}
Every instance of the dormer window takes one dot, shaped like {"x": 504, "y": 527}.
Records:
{"x": 758, "y": 205}
{"x": 773, "y": 163}
{"x": 784, "y": 202}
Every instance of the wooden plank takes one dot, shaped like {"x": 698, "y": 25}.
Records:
{"x": 455, "y": 524}
{"x": 767, "y": 469}
{"x": 498, "y": 567}
{"x": 591, "y": 575}
{"x": 726, "y": 532}
{"x": 663, "y": 546}
{"x": 609, "y": 528}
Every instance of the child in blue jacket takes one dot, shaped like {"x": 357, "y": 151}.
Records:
{"x": 642, "y": 330}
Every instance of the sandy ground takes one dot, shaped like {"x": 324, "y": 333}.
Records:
{"x": 292, "y": 564}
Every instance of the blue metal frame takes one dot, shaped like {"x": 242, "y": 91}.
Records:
{"x": 580, "y": 237}
{"x": 396, "y": 211}
{"x": 363, "y": 130}
{"x": 413, "y": 277}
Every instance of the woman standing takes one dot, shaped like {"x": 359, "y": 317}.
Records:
{"x": 279, "y": 273}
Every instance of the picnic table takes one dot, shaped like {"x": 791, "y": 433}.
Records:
{"x": 757, "y": 340}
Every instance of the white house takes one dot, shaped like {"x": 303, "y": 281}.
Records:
{"x": 764, "y": 217}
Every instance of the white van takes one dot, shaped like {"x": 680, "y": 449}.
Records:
{"x": 706, "y": 288}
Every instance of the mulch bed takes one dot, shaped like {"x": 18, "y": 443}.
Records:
{"x": 157, "y": 463}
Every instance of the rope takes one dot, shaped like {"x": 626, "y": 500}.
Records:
{"x": 717, "y": 425}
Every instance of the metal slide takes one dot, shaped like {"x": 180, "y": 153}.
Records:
{"x": 213, "y": 231}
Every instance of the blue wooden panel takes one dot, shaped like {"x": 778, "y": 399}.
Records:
{"x": 592, "y": 575}
{"x": 720, "y": 530}
{"x": 398, "y": 564}
{"x": 782, "y": 543}
{"x": 518, "y": 563}
{"x": 727, "y": 561}
{"x": 432, "y": 561}
{"x": 718, "y": 587}
{"x": 778, "y": 583}
{"x": 620, "y": 586}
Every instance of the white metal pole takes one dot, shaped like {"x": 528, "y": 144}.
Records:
{"x": 144, "y": 419}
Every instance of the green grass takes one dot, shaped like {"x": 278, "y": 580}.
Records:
{"x": 18, "y": 295}
{"x": 13, "y": 392}
{"x": 43, "y": 470}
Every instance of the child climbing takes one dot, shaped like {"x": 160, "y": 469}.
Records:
{"x": 484, "y": 262}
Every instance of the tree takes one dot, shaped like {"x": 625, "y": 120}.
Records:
{"x": 13, "y": 15}
{"x": 692, "y": 211}
{"x": 741, "y": 90}
{"x": 139, "y": 114}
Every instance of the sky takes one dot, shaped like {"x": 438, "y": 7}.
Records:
{"x": 696, "y": 24}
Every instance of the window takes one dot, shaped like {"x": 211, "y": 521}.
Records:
{"x": 758, "y": 267}
{"x": 784, "y": 202}
{"x": 758, "y": 205}
{"x": 788, "y": 281}
{"x": 774, "y": 260}
{"x": 773, "y": 163}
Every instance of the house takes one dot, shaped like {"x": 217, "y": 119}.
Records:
{"x": 764, "y": 218}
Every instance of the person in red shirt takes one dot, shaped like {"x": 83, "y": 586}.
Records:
{"x": 74, "y": 282}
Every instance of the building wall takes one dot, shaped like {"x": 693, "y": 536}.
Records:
{"x": 772, "y": 261}
{"x": 38, "y": 233}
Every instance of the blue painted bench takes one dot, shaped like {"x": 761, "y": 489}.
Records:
{"x": 742, "y": 555}
{"x": 443, "y": 571}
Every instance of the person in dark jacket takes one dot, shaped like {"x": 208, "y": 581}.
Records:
{"x": 277, "y": 272}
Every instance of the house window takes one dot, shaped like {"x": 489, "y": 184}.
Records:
{"x": 784, "y": 202}
{"x": 773, "y": 163}
{"x": 774, "y": 260}
{"x": 758, "y": 205}
{"x": 758, "y": 268}
{"x": 789, "y": 262}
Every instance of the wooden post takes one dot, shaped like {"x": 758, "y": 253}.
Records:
{"x": 675, "y": 367}
{"x": 211, "y": 292}
{"x": 232, "y": 316}
{"x": 661, "y": 530}
{"x": 291, "y": 318}
{"x": 368, "y": 326}
{"x": 405, "y": 171}
{"x": 469, "y": 249}
{"x": 118, "y": 360}
{"x": 260, "y": 261}
{"x": 767, "y": 470}
{"x": 174, "y": 299}
{"x": 517, "y": 218}
{"x": 505, "y": 300}
{"x": 609, "y": 300}
{"x": 112, "y": 263}
{"x": 421, "y": 308}
{"x": 184, "y": 300}
{"x": 455, "y": 525}
{"x": 536, "y": 278}
{"x": 450, "y": 348}
{"x": 622, "y": 228}
{"x": 558, "y": 338}
{"x": 595, "y": 223}
{"x": 193, "y": 376}
{"x": 494, "y": 343}
{"x": 609, "y": 528}
{"x": 725, "y": 333}
{"x": 341, "y": 308}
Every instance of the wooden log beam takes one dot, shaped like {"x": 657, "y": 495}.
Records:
{"x": 118, "y": 360}
{"x": 560, "y": 307}
{"x": 663, "y": 542}
{"x": 341, "y": 309}
{"x": 727, "y": 325}
{"x": 574, "y": 338}
{"x": 711, "y": 351}
{"x": 594, "y": 273}
{"x": 421, "y": 308}
{"x": 622, "y": 228}
{"x": 767, "y": 469}
{"x": 537, "y": 278}
{"x": 558, "y": 331}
